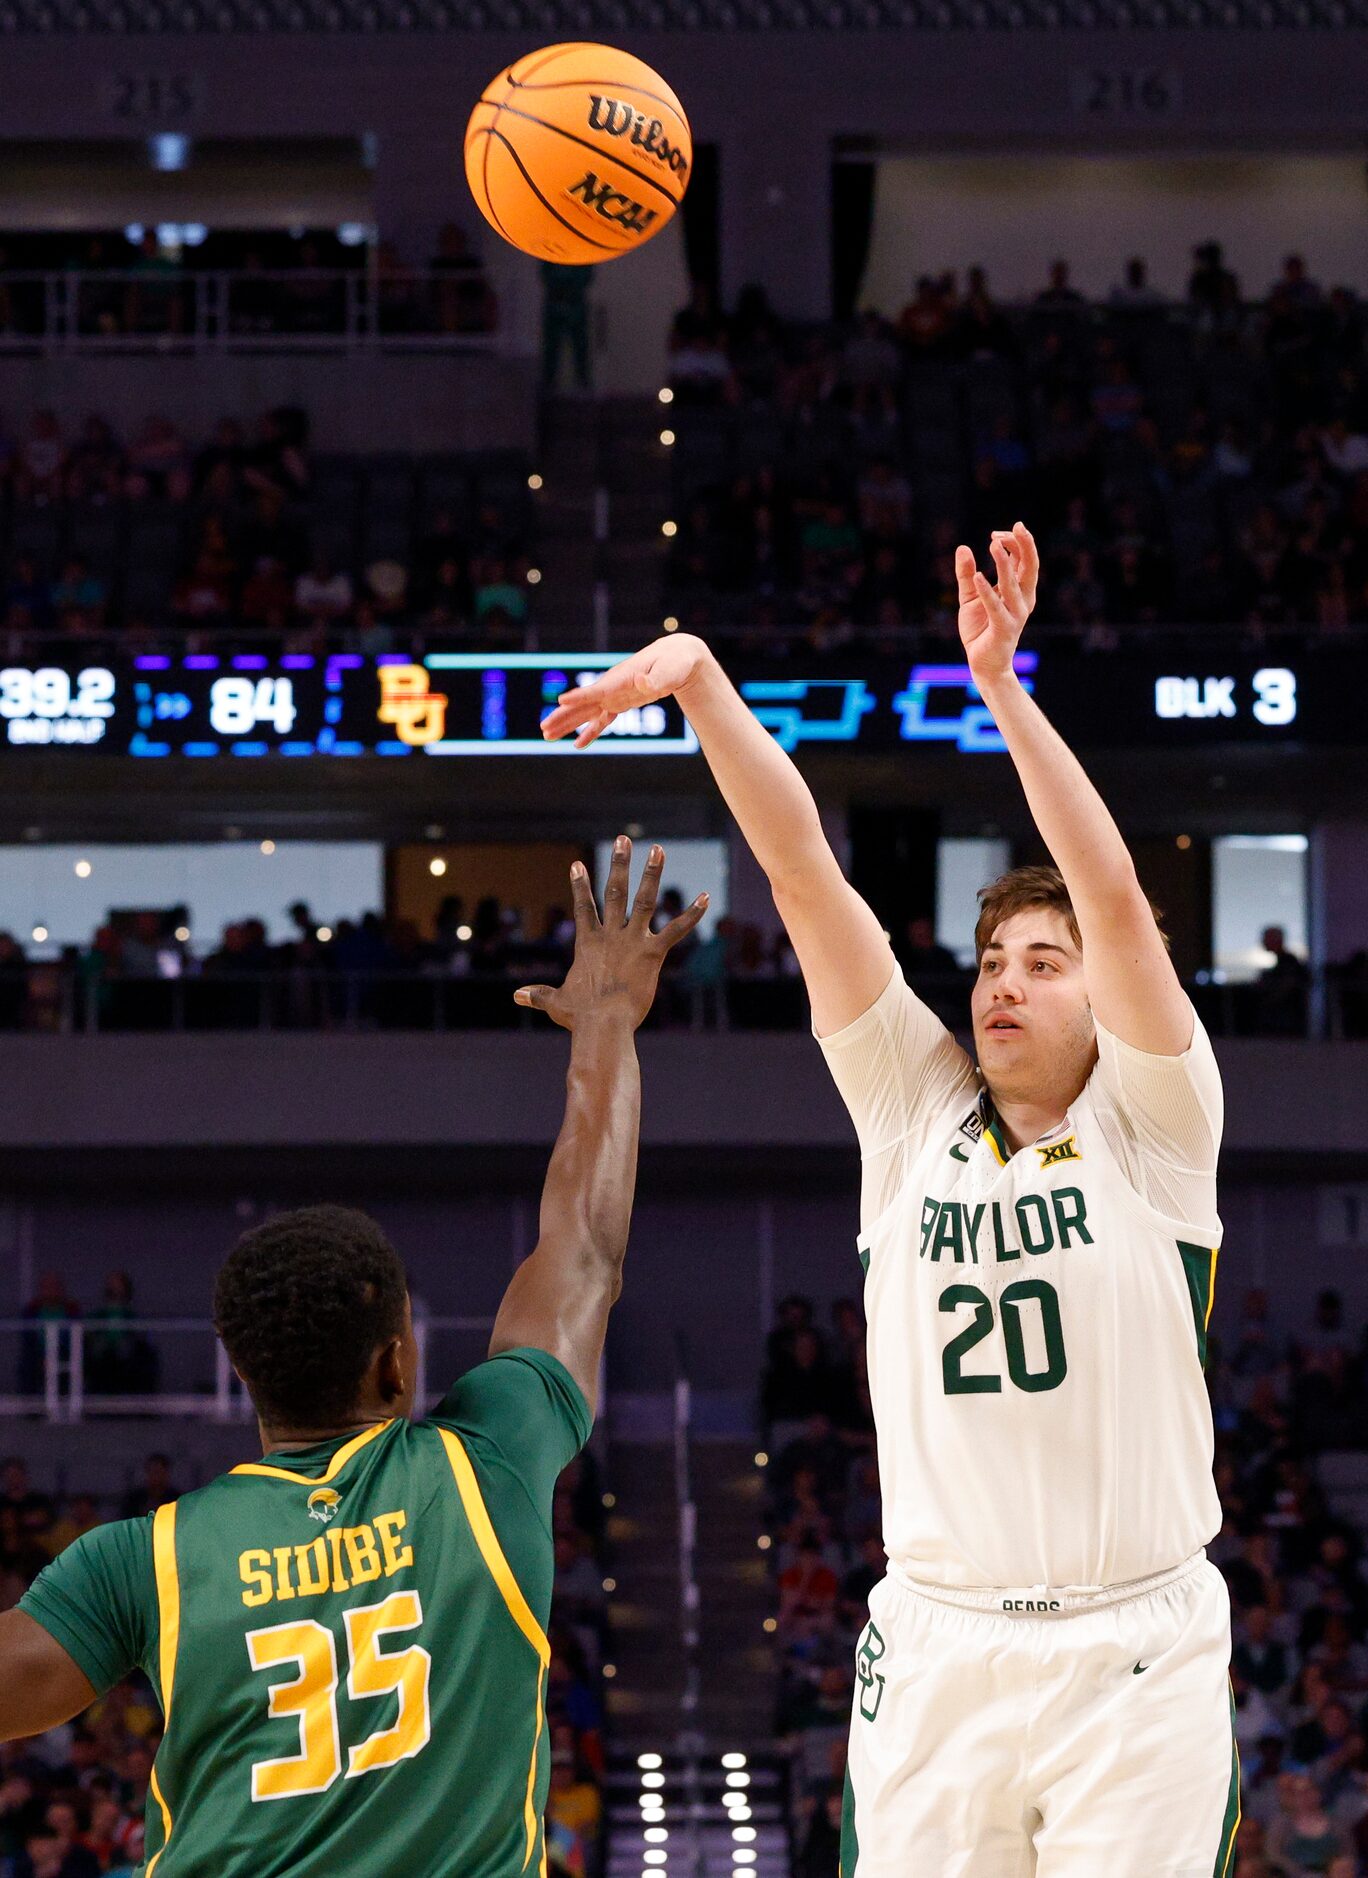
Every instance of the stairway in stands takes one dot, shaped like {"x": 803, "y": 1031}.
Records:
{"x": 696, "y": 1812}
{"x": 733, "y": 1702}
{"x": 605, "y": 493}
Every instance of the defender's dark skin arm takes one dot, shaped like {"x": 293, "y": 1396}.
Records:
{"x": 560, "y": 1297}
{"x": 40, "y": 1686}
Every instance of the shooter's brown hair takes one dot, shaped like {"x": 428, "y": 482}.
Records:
{"x": 1024, "y": 887}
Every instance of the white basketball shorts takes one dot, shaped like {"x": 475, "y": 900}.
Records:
{"x": 1090, "y": 1738}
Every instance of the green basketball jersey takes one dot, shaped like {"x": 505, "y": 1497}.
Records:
{"x": 349, "y": 1642}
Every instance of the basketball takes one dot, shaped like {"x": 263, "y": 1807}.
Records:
{"x": 578, "y": 153}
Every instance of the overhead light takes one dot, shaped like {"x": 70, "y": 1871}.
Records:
{"x": 324, "y": 934}
{"x": 268, "y": 847}
{"x": 665, "y": 395}
{"x": 168, "y": 150}
{"x": 182, "y": 934}
{"x": 669, "y": 530}
{"x": 649, "y": 1761}
{"x": 464, "y": 934}
{"x": 40, "y": 934}
{"x": 83, "y": 870}
{"x": 670, "y": 623}
{"x": 437, "y": 866}
{"x": 733, "y": 1760}
{"x": 534, "y": 481}
{"x": 533, "y": 576}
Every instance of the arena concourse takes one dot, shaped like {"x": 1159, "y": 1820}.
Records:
{"x": 315, "y": 495}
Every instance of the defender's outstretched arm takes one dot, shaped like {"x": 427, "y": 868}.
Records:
{"x": 1132, "y": 986}
{"x": 845, "y": 958}
{"x": 561, "y": 1295}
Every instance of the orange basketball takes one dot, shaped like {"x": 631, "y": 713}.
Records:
{"x": 578, "y": 153}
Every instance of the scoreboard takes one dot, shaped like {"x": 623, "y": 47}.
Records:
{"x": 156, "y": 707}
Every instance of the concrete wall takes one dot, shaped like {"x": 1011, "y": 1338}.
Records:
{"x": 472, "y": 1090}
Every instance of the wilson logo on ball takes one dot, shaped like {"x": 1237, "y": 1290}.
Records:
{"x": 647, "y": 133}
{"x": 612, "y": 204}
{"x": 578, "y": 153}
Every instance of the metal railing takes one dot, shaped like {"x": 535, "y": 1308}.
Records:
{"x": 62, "y": 997}
{"x": 245, "y": 310}
{"x": 65, "y": 1367}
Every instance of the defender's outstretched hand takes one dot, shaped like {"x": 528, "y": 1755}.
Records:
{"x": 659, "y": 670}
{"x": 991, "y": 618}
{"x": 617, "y": 960}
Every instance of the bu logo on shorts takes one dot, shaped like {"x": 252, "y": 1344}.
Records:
{"x": 872, "y": 1647}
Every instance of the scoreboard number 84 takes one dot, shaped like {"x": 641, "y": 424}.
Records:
{"x": 238, "y": 706}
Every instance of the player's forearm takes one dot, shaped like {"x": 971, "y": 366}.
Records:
{"x": 1074, "y": 822}
{"x": 773, "y": 806}
{"x": 586, "y": 1207}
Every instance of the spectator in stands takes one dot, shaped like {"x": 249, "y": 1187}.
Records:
{"x": 95, "y": 465}
{"x": 870, "y": 365}
{"x": 278, "y": 462}
{"x": 159, "y": 466}
{"x": 921, "y": 955}
{"x": 28, "y": 598}
{"x": 1133, "y": 293}
{"x": 41, "y": 463}
{"x": 79, "y": 1516}
{"x": 269, "y": 596}
{"x": 565, "y": 324}
{"x": 119, "y": 1359}
{"x": 1059, "y": 294}
{"x": 219, "y": 465}
{"x": 156, "y": 1490}
{"x": 50, "y": 1304}
{"x": 574, "y": 1803}
{"x": 1213, "y": 291}
{"x": 152, "y": 301}
{"x": 79, "y": 598}
{"x": 924, "y": 323}
{"x": 1282, "y": 988}
{"x": 500, "y": 603}
{"x": 31, "y": 1509}
{"x": 323, "y": 594}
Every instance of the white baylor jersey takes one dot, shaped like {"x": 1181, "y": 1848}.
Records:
{"x": 1037, "y": 1321}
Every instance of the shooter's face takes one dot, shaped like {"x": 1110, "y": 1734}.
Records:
{"x": 1033, "y": 1027}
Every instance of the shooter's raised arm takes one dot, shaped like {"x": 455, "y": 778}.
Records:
{"x": 1132, "y": 986}
{"x": 560, "y": 1297}
{"x": 841, "y": 947}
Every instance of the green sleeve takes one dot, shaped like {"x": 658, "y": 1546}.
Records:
{"x": 528, "y": 1406}
{"x": 98, "y": 1598}
{"x": 523, "y": 1419}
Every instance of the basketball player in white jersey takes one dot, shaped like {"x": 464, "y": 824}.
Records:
{"x": 1042, "y": 1687}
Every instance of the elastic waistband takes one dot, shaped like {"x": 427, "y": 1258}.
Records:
{"x": 1042, "y": 1600}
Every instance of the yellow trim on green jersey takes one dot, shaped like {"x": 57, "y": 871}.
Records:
{"x": 335, "y": 1465}
{"x": 1211, "y": 1286}
{"x": 168, "y": 1612}
{"x": 509, "y": 1589}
